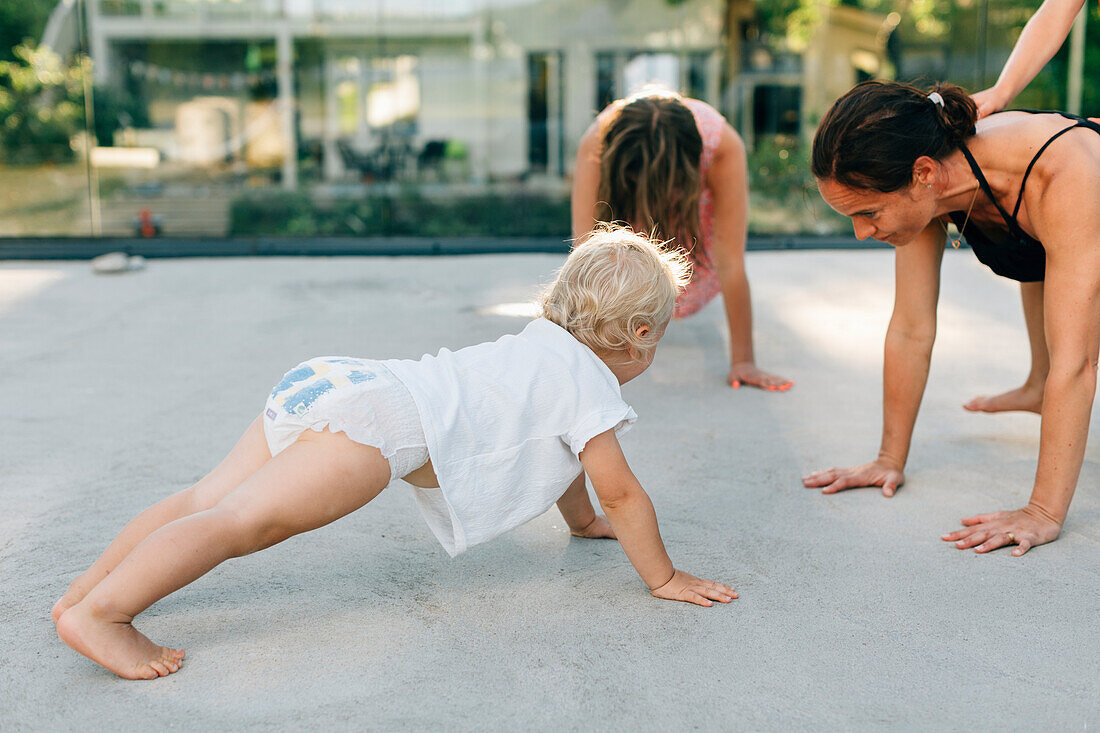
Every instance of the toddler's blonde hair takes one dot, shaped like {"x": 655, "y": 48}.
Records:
{"x": 614, "y": 282}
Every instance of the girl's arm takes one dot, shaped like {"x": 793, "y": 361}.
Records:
{"x": 586, "y": 182}
{"x": 1042, "y": 37}
{"x": 1071, "y": 319}
{"x": 631, "y": 514}
{"x": 907, "y": 354}
{"x": 576, "y": 509}
{"x": 728, "y": 181}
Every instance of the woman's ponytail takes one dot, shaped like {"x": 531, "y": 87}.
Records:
{"x": 956, "y": 111}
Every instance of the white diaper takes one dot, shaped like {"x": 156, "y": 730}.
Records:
{"x": 359, "y": 397}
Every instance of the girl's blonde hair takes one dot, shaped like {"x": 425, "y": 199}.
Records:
{"x": 614, "y": 282}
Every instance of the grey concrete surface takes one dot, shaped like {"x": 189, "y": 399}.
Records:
{"x": 853, "y": 613}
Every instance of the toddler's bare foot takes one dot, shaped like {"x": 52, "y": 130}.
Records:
{"x": 67, "y": 601}
{"x": 63, "y": 604}
{"x": 116, "y": 645}
{"x": 74, "y": 595}
{"x": 1025, "y": 399}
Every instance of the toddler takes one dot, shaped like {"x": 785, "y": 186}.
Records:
{"x": 489, "y": 436}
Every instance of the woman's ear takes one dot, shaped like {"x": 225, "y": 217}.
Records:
{"x": 925, "y": 170}
{"x": 642, "y": 331}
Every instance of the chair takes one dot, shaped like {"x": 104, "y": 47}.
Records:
{"x": 432, "y": 156}
{"x": 353, "y": 160}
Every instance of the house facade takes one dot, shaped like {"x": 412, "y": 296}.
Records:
{"x": 470, "y": 90}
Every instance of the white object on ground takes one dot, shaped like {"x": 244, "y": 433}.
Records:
{"x": 115, "y": 262}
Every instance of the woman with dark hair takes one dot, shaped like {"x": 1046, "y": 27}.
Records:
{"x": 673, "y": 167}
{"x": 902, "y": 163}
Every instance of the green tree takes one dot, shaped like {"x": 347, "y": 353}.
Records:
{"x": 970, "y": 39}
{"x": 20, "y": 20}
{"x": 41, "y": 104}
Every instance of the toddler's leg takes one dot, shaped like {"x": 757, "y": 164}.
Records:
{"x": 320, "y": 478}
{"x": 247, "y": 456}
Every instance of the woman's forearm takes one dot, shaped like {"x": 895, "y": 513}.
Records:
{"x": 1043, "y": 35}
{"x": 728, "y": 179}
{"x": 737, "y": 300}
{"x": 1067, "y": 409}
{"x": 586, "y": 183}
{"x": 904, "y": 375}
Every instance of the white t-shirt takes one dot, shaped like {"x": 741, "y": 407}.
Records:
{"x": 505, "y": 423}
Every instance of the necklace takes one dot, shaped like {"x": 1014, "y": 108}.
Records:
{"x": 955, "y": 242}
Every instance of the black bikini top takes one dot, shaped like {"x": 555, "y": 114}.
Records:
{"x": 1020, "y": 256}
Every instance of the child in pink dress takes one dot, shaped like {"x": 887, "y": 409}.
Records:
{"x": 673, "y": 165}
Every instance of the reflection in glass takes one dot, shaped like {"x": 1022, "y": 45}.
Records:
{"x": 355, "y": 117}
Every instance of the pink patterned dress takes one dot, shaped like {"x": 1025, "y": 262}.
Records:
{"x": 704, "y": 283}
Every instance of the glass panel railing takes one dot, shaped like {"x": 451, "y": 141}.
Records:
{"x": 44, "y": 130}
{"x": 357, "y": 117}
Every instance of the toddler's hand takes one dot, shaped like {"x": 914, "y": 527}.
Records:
{"x": 684, "y": 587}
{"x": 598, "y": 528}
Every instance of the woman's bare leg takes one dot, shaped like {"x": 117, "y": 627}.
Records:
{"x": 247, "y": 456}
{"x": 1028, "y": 397}
{"x": 318, "y": 479}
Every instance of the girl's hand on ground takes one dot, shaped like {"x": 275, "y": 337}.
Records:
{"x": 875, "y": 473}
{"x": 1025, "y": 527}
{"x": 598, "y": 528}
{"x": 684, "y": 587}
{"x": 745, "y": 372}
{"x": 988, "y": 101}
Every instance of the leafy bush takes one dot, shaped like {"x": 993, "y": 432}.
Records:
{"x": 783, "y": 194}
{"x": 41, "y": 105}
{"x": 779, "y": 168}
{"x": 114, "y": 110}
{"x": 408, "y": 214}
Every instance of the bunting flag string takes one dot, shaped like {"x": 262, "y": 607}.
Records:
{"x": 165, "y": 76}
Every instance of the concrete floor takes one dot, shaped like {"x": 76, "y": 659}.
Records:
{"x": 853, "y": 613}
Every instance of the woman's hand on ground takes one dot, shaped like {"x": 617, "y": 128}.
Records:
{"x": 598, "y": 528}
{"x": 745, "y": 372}
{"x": 684, "y": 587}
{"x": 1025, "y": 527}
{"x": 989, "y": 101}
{"x": 875, "y": 473}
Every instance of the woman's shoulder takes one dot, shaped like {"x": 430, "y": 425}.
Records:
{"x": 1043, "y": 142}
{"x": 1028, "y": 131}
{"x": 702, "y": 109}
{"x": 605, "y": 115}
{"x": 1047, "y": 165}
{"x": 715, "y": 131}
{"x": 593, "y": 136}
{"x": 706, "y": 116}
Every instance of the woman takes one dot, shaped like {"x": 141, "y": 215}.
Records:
{"x": 674, "y": 167}
{"x": 901, "y": 163}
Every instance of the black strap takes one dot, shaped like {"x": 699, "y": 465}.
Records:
{"x": 1034, "y": 160}
{"x": 1011, "y": 223}
{"x": 1081, "y": 121}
